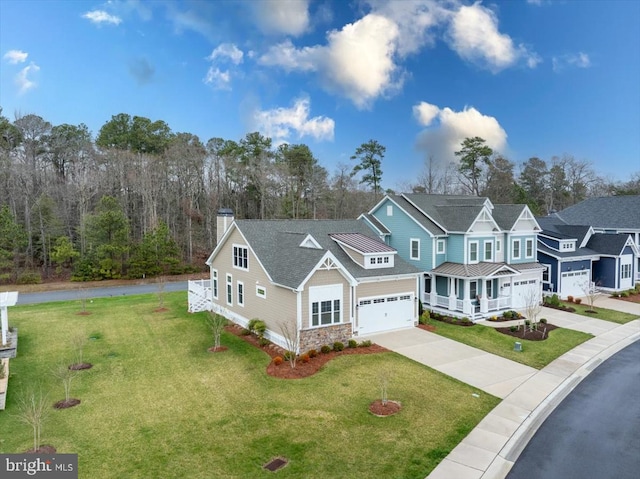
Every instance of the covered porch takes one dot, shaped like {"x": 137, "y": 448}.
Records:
{"x": 474, "y": 291}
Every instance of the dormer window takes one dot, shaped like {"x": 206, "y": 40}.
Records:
{"x": 567, "y": 246}
{"x": 310, "y": 242}
{"x": 379, "y": 261}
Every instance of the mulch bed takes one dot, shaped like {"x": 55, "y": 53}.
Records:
{"x": 382, "y": 410}
{"x": 46, "y": 449}
{"x": 302, "y": 369}
{"x": 452, "y": 320}
{"x": 568, "y": 309}
{"x": 80, "y": 366}
{"x": 524, "y": 333}
{"x": 64, "y": 404}
{"x": 633, "y": 298}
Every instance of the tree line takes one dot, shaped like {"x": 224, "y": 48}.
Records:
{"x": 141, "y": 200}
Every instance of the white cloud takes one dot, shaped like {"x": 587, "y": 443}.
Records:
{"x": 227, "y": 50}
{"x": 287, "y": 17}
{"x": 16, "y": 56}
{"x": 425, "y": 113}
{"x": 443, "y": 138}
{"x": 577, "y": 60}
{"x": 220, "y": 80}
{"x": 23, "y": 80}
{"x": 280, "y": 123}
{"x": 357, "y": 61}
{"x": 100, "y": 16}
{"x": 474, "y": 35}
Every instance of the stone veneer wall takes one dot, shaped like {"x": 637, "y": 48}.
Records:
{"x": 315, "y": 338}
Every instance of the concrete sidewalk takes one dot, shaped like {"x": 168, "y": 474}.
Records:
{"x": 491, "y": 449}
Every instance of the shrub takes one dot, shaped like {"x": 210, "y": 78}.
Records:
{"x": 326, "y": 349}
{"x": 615, "y": 294}
{"x": 578, "y": 300}
{"x": 365, "y": 344}
{"x": 287, "y": 355}
{"x": 29, "y": 277}
{"x": 466, "y": 321}
{"x": 570, "y": 298}
{"x": 338, "y": 346}
{"x": 553, "y": 300}
{"x": 278, "y": 360}
{"x": 543, "y": 321}
{"x": 513, "y": 329}
{"x": 312, "y": 353}
{"x": 507, "y": 315}
{"x": 263, "y": 341}
{"x": 305, "y": 358}
{"x": 353, "y": 343}
{"x": 257, "y": 327}
{"x": 624, "y": 294}
{"x": 245, "y": 332}
{"x": 527, "y": 322}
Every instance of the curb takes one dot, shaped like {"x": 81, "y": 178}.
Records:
{"x": 502, "y": 464}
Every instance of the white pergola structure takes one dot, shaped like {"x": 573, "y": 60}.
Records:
{"x": 6, "y": 299}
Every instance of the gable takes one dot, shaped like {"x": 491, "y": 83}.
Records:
{"x": 484, "y": 223}
{"x": 526, "y": 222}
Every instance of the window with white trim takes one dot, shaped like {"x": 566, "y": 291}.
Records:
{"x": 325, "y": 312}
{"x": 389, "y": 210}
{"x": 214, "y": 283}
{"x": 414, "y": 245}
{"x": 529, "y": 248}
{"x": 229, "y": 290}
{"x": 241, "y": 257}
{"x": 261, "y": 292}
{"x": 488, "y": 250}
{"x": 545, "y": 273}
{"x": 240, "y": 297}
{"x": 473, "y": 252}
{"x": 625, "y": 272}
{"x": 441, "y": 247}
{"x": 516, "y": 249}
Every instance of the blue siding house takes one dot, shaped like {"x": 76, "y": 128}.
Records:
{"x": 576, "y": 258}
{"x": 478, "y": 258}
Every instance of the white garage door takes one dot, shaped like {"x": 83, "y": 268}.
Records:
{"x": 572, "y": 282}
{"x": 384, "y": 313}
{"x": 522, "y": 291}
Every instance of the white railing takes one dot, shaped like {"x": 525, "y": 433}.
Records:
{"x": 502, "y": 303}
{"x": 497, "y": 304}
{"x": 199, "y": 295}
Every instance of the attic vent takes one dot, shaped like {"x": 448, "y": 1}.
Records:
{"x": 310, "y": 242}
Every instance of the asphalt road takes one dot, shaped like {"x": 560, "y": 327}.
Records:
{"x": 77, "y": 294}
{"x": 595, "y": 432}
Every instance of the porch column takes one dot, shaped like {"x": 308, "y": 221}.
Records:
{"x": 466, "y": 301}
{"x": 433, "y": 295}
{"x": 452, "y": 295}
{"x": 484, "y": 304}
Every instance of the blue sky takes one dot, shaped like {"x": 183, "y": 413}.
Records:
{"x": 533, "y": 77}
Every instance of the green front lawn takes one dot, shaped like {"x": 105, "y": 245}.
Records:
{"x": 536, "y": 354}
{"x": 602, "y": 313}
{"x": 157, "y": 404}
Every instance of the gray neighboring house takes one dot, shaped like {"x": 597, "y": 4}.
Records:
{"x": 331, "y": 280}
{"x": 608, "y": 214}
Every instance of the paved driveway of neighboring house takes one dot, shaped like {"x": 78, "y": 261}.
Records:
{"x": 617, "y": 304}
{"x": 486, "y": 371}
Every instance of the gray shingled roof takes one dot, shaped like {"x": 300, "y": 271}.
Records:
{"x": 507, "y": 215}
{"x": 415, "y": 213}
{"x": 556, "y": 228}
{"x": 455, "y": 213}
{"x": 605, "y": 212}
{"x": 277, "y": 245}
{"x": 609, "y": 244}
{"x": 376, "y": 223}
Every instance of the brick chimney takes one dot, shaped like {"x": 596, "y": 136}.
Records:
{"x": 225, "y": 218}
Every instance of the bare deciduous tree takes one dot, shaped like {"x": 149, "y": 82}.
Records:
{"x": 217, "y": 323}
{"x": 291, "y": 336}
{"x": 591, "y": 292}
{"x": 66, "y": 376}
{"x": 32, "y": 410}
{"x": 384, "y": 377}
{"x": 532, "y": 306}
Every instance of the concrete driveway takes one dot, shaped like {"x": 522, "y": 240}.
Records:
{"x": 485, "y": 371}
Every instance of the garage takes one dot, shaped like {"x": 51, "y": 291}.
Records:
{"x": 572, "y": 283}
{"x": 383, "y": 313}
